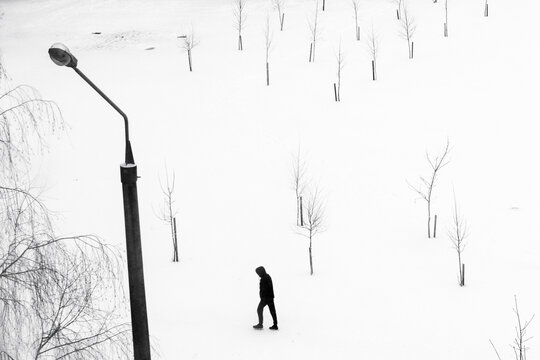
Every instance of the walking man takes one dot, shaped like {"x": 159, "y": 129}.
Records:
{"x": 266, "y": 293}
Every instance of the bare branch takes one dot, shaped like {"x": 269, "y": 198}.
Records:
{"x": 25, "y": 119}
{"x": 496, "y": 352}
{"x": 190, "y": 41}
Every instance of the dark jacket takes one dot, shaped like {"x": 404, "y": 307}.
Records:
{"x": 266, "y": 289}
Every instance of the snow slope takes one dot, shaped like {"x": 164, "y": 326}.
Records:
{"x": 381, "y": 289}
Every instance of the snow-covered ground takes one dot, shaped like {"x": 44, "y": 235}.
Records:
{"x": 381, "y": 289}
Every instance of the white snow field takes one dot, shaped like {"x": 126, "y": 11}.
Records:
{"x": 381, "y": 289}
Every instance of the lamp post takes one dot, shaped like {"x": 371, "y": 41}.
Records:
{"x": 61, "y": 56}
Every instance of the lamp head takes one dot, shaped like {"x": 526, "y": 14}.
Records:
{"x": 61, "y": 56}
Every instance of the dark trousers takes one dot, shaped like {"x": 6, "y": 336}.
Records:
{"x": 271, "y": 306}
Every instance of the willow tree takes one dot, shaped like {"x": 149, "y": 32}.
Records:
{"x": 60, "y": 295}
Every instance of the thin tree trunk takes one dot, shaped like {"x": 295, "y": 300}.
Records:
{"x": 462, "y": 274}
{"x": 397, "y": 14}
{"x": 323, "y": 4}
{"x": 335, "y": 93}
{"x": 429, "y": 211}
{"x": 267, "y": 75}
{"x": 240, "y": 46}
{"x": 297, "y": 210}
{"x": 357, "y": 33}
{"x": 460, "y": 268}
{"x": 173, "y": 238}
{"x": 486, "y": 10}
{"x": 310, "y": 51}
{"x": 189, "y": 59}
{"x": 175, "y": 255}
{"x": 373, "y": 69}
{"x": 301, "y": 213}
{"x": 282, "y": 21}
{"x": 310, "y": 257}
{"x": 435, "y": 227}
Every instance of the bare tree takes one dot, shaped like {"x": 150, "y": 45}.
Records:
{"x": 356, "y": 26}
{"x": 457, "y": 234}
{"x": 190, "y": 41}
{"x": 519, "y": 347}
{"x": 521, "y": 338}
{"x": 427, "y": 186}
{"x": 59, "y": 290}
{"x": 299, "y": 185}
{"x": 169, "y": 212}
{"x": 268, "y": 43}
{"x": 279, "y": 5}
{"x": 373, "y": 46}
{"x": 314, "y": 221}
{"x": 408, "y": 28}
{"x": 314, "y": 30}
{"x": 60, "y": 296}
{"x": 239, "y": 11}
{"x": 340, "y": 64}
{"x": 486, "y": 9}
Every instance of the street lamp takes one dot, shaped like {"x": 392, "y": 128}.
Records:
{"x": 61, "y": 56}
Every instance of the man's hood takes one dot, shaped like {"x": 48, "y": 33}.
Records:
{"x": 260, "y": 271}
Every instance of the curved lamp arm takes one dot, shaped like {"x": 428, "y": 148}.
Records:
{"x": 129, "y": 152}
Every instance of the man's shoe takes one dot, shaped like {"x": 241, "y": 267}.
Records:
{"x": 258, "y": 326}
{"x": 273, "y": 327}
